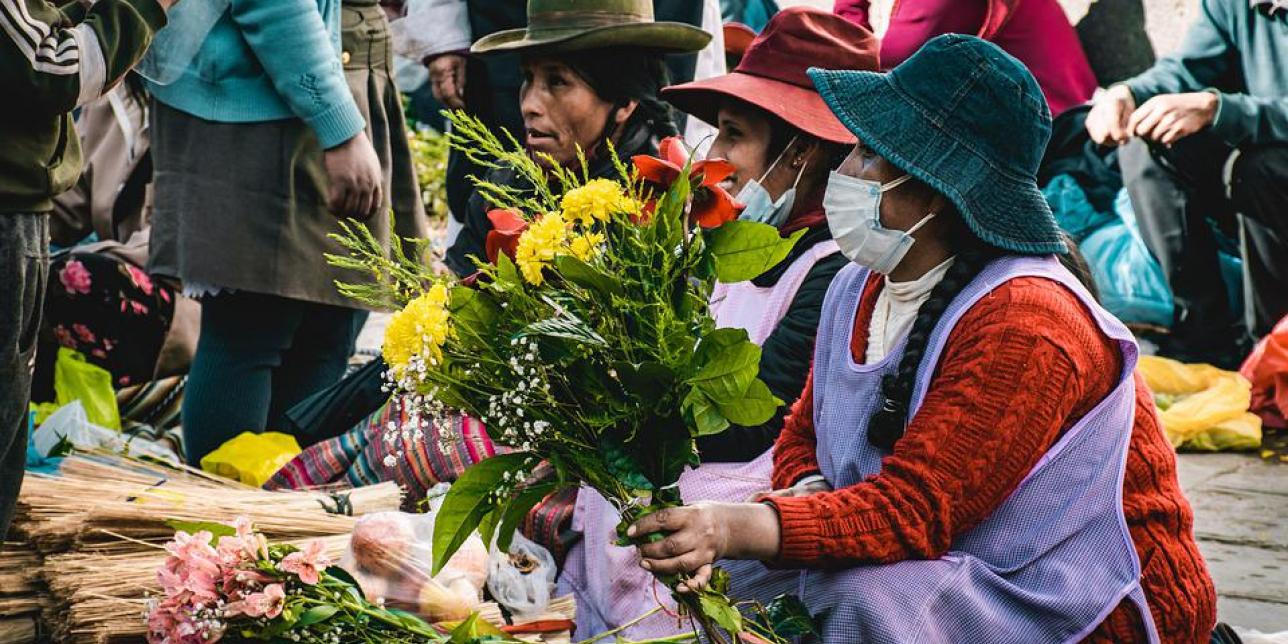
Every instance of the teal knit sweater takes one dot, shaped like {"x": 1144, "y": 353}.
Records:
{"x": 1242, "y": 54}
{"x": 266, "y": 60}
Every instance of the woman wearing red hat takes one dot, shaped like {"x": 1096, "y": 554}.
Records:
{"x": 782, "y": 141}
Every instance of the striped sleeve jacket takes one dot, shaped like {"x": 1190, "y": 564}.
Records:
{"x": 53, "y": 59}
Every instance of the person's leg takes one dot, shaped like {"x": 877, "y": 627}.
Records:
{"x": 317, "y": 357}
{"x": 244, "y": 337}
{"x": 1172, "y": 198}
{"x": 24, "y": 263}
{"x": 1259, "y": 192}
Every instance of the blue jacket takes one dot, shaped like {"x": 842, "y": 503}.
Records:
{"x": 1239, "y": 52}
{"x": 266, "y": 60}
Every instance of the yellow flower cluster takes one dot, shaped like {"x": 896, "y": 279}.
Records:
{"x": 597, "y": 200}
{"x": 539, "y": 245}
{"x": 419, "y": 330}
{"x": 586, "y": 246}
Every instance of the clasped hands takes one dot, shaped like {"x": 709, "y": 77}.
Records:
{"x": 1166, "y": 119}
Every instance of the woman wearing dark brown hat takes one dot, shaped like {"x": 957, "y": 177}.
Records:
{"x": 782, "y": 140}
{"x": 592, "y": 70}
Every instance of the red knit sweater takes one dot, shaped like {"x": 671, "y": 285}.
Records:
{"x": 1020, "y": 368}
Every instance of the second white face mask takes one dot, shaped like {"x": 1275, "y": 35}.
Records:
{"x": 759, "y": 206}
{"x": 853, "y": 208}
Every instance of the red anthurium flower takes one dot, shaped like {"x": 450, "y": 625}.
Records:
{"x": 712, "y": 205}
{"x": 507, "y": 227}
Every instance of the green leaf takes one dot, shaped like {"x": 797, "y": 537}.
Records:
{"x": 647, "y": 380}
{"x": 317, "y": 615}
{"x": 473, "y": 314}
{"x": 216, "y": 530}
{"x": 564, "y": 328}
{"x": 721, "y": 611}
{"x": 468, "y": 501}
{"x": 727, "y": 364}
{"x": 507, "y": 274}
{"x": 744, "y": 250}
{"x": 336, "y": 574}
{"x": 703, "y": 416}
{"x": 756, "y": 406}
{"x": 586, "y": 276}
{"x": 517, "y": 509}
{"x": 788, "y": 617}
{"x": 474, "y": 629}
{"x": 621, "y": 464}
{"x": 63, "y": 447}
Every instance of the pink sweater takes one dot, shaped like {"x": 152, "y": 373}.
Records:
{"x": 1035, "y": 31}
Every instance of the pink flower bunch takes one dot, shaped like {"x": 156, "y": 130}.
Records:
{"x": 187, "y": 614}
{"x": 205, "y": 585}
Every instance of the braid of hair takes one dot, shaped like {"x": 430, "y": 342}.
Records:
{"x": 888, "y": 423}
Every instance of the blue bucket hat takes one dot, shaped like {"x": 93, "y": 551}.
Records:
{"x": 968, "y": 120}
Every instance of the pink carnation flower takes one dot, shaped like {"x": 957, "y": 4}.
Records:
{"x": 308, "y": 563}
{"x": 75, "y": 277}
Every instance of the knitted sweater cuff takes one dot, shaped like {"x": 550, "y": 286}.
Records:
{"x": 800, "y": 531}
{"x": 338, "y": 124}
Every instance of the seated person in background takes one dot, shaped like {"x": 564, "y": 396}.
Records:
{"x": 1035, "y": 31}
{"x": 1205, "y": 134}
{"x": 100, "y": 301}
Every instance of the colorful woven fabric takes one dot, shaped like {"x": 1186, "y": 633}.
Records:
{"x": 419, "y": 462}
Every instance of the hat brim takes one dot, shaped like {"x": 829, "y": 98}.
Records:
{"x": 668, "y": 37}
{"x": 1002, "y": 209}
{"x": 801, "y": 107}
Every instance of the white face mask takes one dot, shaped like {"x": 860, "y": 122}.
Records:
{"x": 759, "y": 206}
{"x": 853, "y": 208}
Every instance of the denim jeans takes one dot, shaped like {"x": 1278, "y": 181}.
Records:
{"x": 24, "y": 269}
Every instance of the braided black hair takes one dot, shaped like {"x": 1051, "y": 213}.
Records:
{"x": 889, "y": 421}
{"x": 620, "y": 75}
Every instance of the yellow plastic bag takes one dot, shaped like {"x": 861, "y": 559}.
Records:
{"x": 1201, "y": 407}
{"x": 252, "y": 458}
{"x": 75, "y": 379}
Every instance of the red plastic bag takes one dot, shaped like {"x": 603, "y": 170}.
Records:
{"x": 1267, "y": 370}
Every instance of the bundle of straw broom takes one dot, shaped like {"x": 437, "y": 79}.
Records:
{"x": 101, "y": 524}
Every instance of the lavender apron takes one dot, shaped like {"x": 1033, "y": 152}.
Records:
{"x": 1048, "y": 565}
{"x": 610, "y": 587}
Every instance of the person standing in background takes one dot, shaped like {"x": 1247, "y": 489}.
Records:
{"x": 1205, "y": 135}
{"x": 54, "y": 60}
{"x": 1037, "y": 32}
{"x": 259, "y": 147}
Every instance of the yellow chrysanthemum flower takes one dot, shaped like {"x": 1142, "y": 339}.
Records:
{"x": 419, "y": 330}
{"x": 539, "y": 245}
{"x": 596, "y": 201}
{"x": 586, "y": 246}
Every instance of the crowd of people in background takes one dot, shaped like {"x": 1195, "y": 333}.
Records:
{"x": 170, "y": 225}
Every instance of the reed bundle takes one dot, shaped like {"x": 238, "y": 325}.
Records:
{"x": 101, "y": 523}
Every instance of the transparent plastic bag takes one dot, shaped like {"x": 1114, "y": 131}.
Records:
{"x": 176, "y": 45}
{"x": 522, "y": 579}
{"x": 390, "y": 555}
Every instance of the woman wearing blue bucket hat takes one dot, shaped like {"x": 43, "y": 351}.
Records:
{"x": 974, "y": 459}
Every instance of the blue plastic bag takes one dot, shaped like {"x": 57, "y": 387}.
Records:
{"x": 1131, "y": 283}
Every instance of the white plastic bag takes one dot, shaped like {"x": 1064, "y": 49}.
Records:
{"x": 521, "y": 579}
{"x": 71, "y": 423}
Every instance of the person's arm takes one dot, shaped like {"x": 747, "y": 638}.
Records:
{"x": 432, "y": 27}
{"x": 914, "y": 22}
{"x": 1241, "y": 118}
{"x": 794, "y": 453}
{"x": 785, "y": 357}
{"x": 1202, "y": 61}
{"x": 55, "y": 65}
{"x": 856, "y": 11}
{"x": 1008, "y": 382}
{"x": 292, "y": 42}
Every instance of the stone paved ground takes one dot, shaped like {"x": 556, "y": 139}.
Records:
{"x": 1241, "y": 520}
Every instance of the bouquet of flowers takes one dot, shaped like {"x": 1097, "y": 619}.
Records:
{"x": 229, "y": 582}
{"x": 584, "y": 342}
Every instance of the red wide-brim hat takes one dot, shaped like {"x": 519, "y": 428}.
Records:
{"x": 772, "y": 74}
